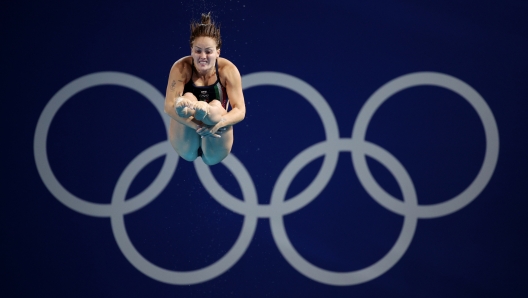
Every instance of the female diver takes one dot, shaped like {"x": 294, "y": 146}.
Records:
{"x": 201, "y": 89}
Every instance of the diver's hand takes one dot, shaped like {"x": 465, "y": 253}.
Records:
{"x": 210, "y": 131}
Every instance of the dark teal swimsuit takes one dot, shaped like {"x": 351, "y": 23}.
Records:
{"x": 207, "y": 93}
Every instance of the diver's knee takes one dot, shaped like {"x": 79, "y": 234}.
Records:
{"x": 188, "y": 156}
{"x": 212, "y": 160}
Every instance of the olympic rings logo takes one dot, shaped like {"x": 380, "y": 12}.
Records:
{"x": 409, "y": 208}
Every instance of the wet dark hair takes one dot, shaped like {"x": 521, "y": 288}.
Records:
{"x": 206, "y": 28}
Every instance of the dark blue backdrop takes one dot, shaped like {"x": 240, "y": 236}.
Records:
{"x": 345, "y": 50}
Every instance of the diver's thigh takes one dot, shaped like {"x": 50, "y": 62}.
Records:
{"x": 216, "y": 149}
{"x": 184, "y": 140}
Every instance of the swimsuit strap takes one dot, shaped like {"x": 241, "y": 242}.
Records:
{"x": 192, "y": 69}
{"x": 217, "y": 73}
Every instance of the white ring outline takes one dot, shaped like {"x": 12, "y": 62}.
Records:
{"x": 41, "y": 136}
{"x": 388, "y": 260}
{"x": 172, "y": 276}
{"x": 430, "y": 79}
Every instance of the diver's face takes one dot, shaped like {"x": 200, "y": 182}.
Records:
{"x": 204, "y": 54}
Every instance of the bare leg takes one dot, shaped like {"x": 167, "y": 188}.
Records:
{"x": 184, "y": 140}
{"x": 216, "y": 149}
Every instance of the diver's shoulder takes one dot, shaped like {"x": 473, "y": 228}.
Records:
{"x": 182, "y": 65}
{"x": 226, "y": 65}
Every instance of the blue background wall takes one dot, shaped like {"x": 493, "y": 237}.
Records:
{"x": 345, "y": 50}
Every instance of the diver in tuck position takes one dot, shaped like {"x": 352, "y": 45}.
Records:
{"x": 200, "y": 90}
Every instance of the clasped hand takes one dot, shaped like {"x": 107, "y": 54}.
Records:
{"x": 210, "y": 131}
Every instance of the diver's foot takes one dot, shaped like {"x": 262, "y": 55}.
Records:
{"x": 201, "y": 109}
{"x": 183, "y": 107}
